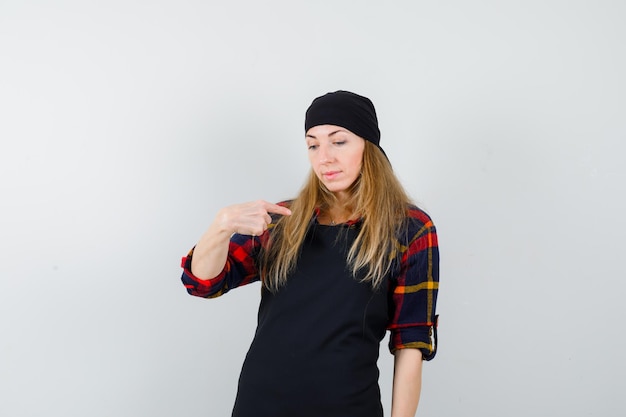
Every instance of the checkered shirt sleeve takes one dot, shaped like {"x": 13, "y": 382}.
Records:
{"x": 240, "y": 268}
{"x": 414, "y": 290}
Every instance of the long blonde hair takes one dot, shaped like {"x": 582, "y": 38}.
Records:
{"x": 376, "y": 196}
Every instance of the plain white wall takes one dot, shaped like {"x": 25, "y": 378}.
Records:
{"x": 125, "y": 126}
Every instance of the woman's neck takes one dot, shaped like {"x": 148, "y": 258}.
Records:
{"x": 336, "y": 215}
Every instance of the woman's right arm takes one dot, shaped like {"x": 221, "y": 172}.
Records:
{"x": 211, "y": 251}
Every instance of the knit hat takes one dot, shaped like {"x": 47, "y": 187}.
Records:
{"x": 349, "y": 110}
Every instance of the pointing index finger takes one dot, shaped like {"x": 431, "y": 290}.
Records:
{"x": 276, "y": 209}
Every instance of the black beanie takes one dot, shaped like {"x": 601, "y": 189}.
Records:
{"x": 343, "y": 108}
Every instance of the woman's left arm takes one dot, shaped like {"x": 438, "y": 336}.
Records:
{"x": 407, "y": 382}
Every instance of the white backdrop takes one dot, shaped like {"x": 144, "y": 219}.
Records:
{"x": 125, "y": 126}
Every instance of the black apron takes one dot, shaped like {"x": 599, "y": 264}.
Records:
{"x": 316, "y": 345}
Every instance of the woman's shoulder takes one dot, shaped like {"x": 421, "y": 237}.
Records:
{"x": 417, "y": 221}
{"x": 285, "y": 203}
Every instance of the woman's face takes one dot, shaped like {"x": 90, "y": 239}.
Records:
{"x": 336, "y": 155}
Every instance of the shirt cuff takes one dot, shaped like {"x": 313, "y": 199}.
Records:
{"x": 423, "y": 338}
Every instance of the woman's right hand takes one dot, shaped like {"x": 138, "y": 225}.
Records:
{"x": 250, "y": 218}
{"x": 211, "y": 252}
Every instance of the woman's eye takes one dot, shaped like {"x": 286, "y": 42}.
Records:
{"x": 312, "y": 147}
{"x": 341, "y": 142}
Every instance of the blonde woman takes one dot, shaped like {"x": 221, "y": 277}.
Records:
{"x": 349, "y": 258}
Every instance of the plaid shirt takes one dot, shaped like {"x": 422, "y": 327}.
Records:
{"x": 412, "y": 288}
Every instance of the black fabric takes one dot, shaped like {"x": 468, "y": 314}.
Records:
{"x": 316, "y": 346}
{"x": 349, "y": 110}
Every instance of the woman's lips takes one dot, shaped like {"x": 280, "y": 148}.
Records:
{"x": 329, "y": 175}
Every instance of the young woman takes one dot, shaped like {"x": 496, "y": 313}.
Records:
{"x": 347, "y": 259}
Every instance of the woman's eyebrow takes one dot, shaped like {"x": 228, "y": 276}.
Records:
{"x": 337, "y": 131}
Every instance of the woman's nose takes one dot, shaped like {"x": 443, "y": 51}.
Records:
{"x": 325, "y": 154}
